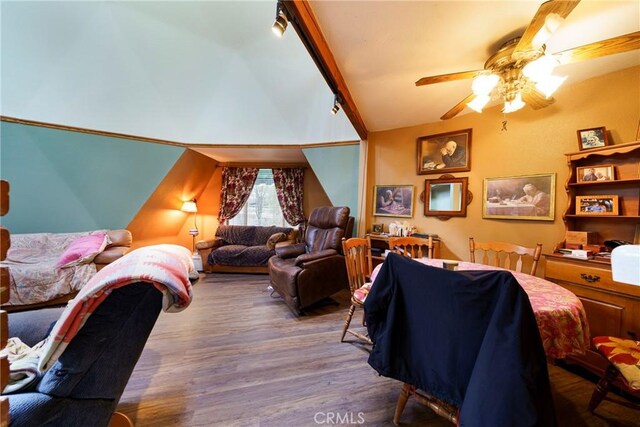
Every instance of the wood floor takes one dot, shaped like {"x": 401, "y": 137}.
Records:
{"x": 239, "y": 357}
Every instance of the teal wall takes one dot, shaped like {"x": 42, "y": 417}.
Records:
{"x": 62, "y": 181}
{"x": 337, "y": 171}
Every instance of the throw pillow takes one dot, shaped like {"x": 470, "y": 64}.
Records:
{"x": 83, "y": 250}
{"x": 275, "y": 238}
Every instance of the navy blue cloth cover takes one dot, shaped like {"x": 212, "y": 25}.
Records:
{"x": 469, "y": 338}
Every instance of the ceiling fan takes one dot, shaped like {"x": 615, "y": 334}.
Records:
{"x": 520, "y": 72}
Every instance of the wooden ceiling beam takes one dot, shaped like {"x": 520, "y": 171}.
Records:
{"x": 302, "y": 18}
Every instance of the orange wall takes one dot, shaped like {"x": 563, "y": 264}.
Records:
{"x": 160, "y": 219}
{"x": 314, "y": 194}
{"x": 535, "y": 142}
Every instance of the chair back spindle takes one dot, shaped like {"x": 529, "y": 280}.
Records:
{"x": 357, "y": 254}
{"x": 505, "y": 255}
{"x": 413, "y": 247}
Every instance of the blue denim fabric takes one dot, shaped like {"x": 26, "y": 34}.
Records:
{"x": 83, "y": 387}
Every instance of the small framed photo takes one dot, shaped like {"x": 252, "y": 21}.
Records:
{"x": 445, "y": 152}
{"x": 530, "y": 197}
{"x": 592, "y": 138}
{"x": 393, "y": 200}
{"x": 597, "y": 205}
{"x": 377, "y": 228}
{"x": 595, "y": 173}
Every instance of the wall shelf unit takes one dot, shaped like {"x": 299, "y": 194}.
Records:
{"x": 612, "y": 308}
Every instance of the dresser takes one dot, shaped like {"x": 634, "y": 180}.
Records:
{"x": 612, "y": 308}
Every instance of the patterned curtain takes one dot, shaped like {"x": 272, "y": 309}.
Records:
{"x": 237, "y": 184}
{"x": 290, "y": 189}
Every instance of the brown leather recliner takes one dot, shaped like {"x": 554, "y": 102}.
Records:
{"x": 305, "y": 273}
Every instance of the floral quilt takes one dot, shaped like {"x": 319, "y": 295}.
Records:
{"x": 31, "y": 261}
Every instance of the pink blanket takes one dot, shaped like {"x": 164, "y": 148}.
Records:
{"x": 167, "y": 267}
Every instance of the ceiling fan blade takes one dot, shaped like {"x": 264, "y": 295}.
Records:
{"x": 447, "y": 77}
{"x": 458, "y": 108}
{"x": 600, "y": 48}
{"x": 535, "y": 99}
{"x": 555, "y": 8}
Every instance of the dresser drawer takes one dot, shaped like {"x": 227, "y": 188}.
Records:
{"x": 586, "y": 274}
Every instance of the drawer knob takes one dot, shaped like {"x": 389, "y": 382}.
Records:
{"x": 589, "y": 278}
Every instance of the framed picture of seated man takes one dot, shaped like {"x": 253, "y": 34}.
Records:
{"x": 445, "y": 152}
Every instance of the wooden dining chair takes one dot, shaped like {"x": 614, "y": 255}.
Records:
{"x": 623, "y": 356}
{"x": 357, "y": 256}
{"x": 502, "y": 254}
{"x": 413, "y": 247}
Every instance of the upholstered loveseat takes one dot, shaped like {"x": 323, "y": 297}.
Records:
{"x": 242, "y": 248}
{"x": 38, "y": 279}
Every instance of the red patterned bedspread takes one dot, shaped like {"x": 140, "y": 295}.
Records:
{"x": 561, "y": 318}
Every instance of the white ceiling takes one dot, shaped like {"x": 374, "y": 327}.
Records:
{"x": 196, "y": 72}
{"x": 212, "y": 72}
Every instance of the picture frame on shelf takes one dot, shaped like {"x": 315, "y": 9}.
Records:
{"x": 444, "y": 152}
{"x": 526, "y": 197}
{"x": 592, "y": 138}
{"x": 595, "y": 173}
{"x": 393, "y": 200}
{"x": 597, "y": 205}
{"x": 377, "y": 228}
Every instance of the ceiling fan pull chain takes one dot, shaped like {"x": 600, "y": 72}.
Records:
{"x": 504, "y": 126}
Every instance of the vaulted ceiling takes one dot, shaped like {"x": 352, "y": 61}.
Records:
{"x": 214, "y": 73}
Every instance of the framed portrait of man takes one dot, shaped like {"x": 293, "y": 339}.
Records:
{"x": 445, "y": 152}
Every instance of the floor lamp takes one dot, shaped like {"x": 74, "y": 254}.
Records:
{"x": 190, "y": 206}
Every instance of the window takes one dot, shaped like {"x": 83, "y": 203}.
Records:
{"x": 262, "y": 208}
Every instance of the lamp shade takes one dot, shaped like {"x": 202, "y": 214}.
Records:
{"x": 513, "y": 105}
{"x": 549, "y": 85}
{"x": 479, "y": 102}
{"x": 189, "y": 206}
{"x": 483, "y": 84}
{"x": 541, "y": 68}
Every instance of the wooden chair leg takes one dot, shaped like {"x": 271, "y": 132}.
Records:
{"x": 602, "y": 387}
{"x": 347, "y": 321}
{"x": 402, "y": 402}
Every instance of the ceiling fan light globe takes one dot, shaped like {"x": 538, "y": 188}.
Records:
{"x": 513, "y": 105}
{"x": 479, "y": 102}
{"x": 551, "y": 24}
{"x": 484, "y": 84}
{"x": 549, "y": 85}
{"x": 541, "y": 68}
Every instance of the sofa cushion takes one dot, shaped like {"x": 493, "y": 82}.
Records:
{"x": 240, "y": 255}
{"x": 275, "y": 238}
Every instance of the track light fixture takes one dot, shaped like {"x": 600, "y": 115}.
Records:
{"x": 336, "y": 105}
{"x": 280, "y": 25}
